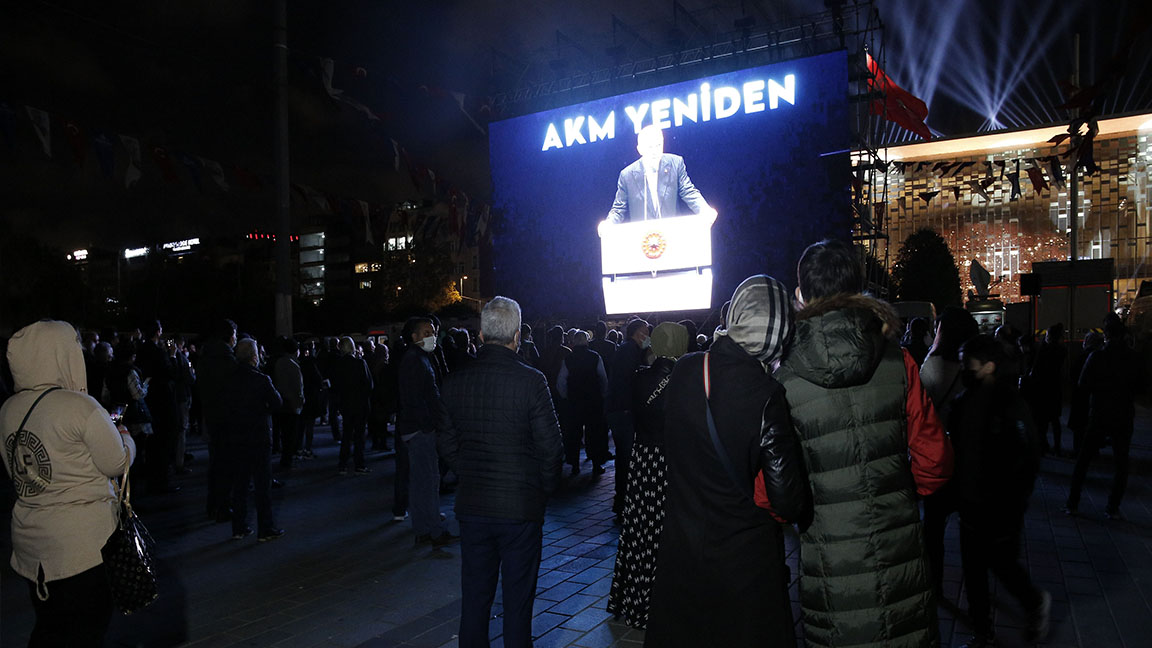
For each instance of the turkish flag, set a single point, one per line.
(897, 105)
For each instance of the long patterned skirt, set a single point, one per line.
(643, 519)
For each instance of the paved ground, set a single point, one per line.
(345, 575)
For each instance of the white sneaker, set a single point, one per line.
(399, 518)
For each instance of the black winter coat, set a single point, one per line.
(648, 401)
(503, 440)
(249, 400)
(213, 371)
(352, 384)
(720, 577)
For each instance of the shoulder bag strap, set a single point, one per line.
(720, 451)
(20, 428)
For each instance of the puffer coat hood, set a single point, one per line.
(47, 354)
(841, 340)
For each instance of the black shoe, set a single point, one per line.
(444, 539)
(1068, 510)
(598, 470)
(241, 534)
(363, 471)
(270, 534)
(575, 471)
(422, 538)
(276, 483)
(1114, 514)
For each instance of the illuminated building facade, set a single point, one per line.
(965, 190)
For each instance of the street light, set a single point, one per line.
(462, 285)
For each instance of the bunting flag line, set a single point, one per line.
(395, 156)
(1056, 172)
(1014, 179)
(79, 144)
(956, 191)
(927, 196)
(105, 155)
(978, 190)
(216, 172)
(132, 172)
(160, 156)
(42, 122)
(1036, 176)
(459, 97)
(326, 68)
(193, 167)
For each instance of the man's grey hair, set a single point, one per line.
(580, 338)
(347, 346)
(246, 350)
(500, 321)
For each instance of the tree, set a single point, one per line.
(926, 271)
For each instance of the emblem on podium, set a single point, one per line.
(654, 245)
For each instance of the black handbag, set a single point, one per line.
(128, 557)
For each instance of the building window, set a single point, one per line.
(364, 285)
(361, 268)
(398, 243)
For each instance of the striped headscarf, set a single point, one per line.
(760, 319)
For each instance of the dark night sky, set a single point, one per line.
(196, 77)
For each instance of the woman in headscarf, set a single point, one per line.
(720, 573)
(60, 450)
(643, 516)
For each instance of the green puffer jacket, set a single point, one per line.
(864, 577)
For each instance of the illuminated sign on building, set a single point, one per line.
(132, 253)
(78, 255)
(181, 246)
(707, 104)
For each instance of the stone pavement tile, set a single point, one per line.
(573, 604)
(590, 575)
(549, 552)
(1129, 610)
(568, 541)
(1094, 621)
(545, 621)
(578, 565)
(435, 636)
(584, 548)
(1079, 586)
(1078, 570)
(551, 578)
(560, 591)
(605, 551)
(556, 638)
(266, 638)
(587, 619)
(556, 561)
(413, 628)
(600, 588)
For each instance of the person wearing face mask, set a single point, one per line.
(997, 457)
(420, 418)
(629, 357)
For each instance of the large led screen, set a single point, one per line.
(666, 199)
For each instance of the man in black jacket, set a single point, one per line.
(250, 400)
(504, 442)
(1112, 376)
(628, 358)
(584, 382)
(215, 368)
(352, 385)
(997, 457)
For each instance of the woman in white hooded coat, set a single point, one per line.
(61, 461)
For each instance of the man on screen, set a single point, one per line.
(651, 186)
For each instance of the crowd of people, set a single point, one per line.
(804, 407)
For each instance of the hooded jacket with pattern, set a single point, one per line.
(61, 465)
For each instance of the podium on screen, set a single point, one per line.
(657, 265)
